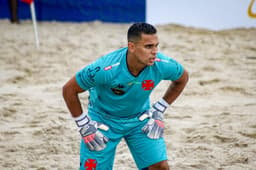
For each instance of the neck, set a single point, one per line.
(134, 66)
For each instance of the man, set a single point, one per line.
(120, 84)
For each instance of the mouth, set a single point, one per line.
(152, 60)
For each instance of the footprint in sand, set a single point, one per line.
(209, 82)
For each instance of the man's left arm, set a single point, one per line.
(155, 126)
(175, 88)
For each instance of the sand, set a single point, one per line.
(211, 126)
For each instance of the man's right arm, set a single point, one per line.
(88, 128)
(70, 93)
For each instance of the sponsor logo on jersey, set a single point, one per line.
(161, 60)
(111, 66)
(118, 90)
(148, 84)
(92, 72)
(90, 164)
(133, 82)
(158, 59)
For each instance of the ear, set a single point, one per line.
(131, 46)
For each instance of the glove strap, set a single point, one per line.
(82, 120)
(161, 105)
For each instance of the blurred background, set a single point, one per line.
(210, 14)
(212, 126)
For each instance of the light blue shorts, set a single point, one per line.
(145, 151)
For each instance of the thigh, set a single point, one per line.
(103, 159)
(145, 151)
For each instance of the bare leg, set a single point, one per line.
(163, 165)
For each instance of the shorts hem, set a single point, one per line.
(146, 166)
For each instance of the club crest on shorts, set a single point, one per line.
(90, 164)
(148, 84)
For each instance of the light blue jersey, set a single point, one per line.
(117, 99)
(115, 91)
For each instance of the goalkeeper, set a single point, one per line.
(119, 85)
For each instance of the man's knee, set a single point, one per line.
(163, 165)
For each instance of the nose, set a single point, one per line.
(154, 50)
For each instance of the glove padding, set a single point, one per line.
(155, 126)
(93, 138)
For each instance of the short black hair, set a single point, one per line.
(135, 31)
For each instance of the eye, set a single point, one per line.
(149, 46)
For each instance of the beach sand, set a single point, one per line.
(211, 126)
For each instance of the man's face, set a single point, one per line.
(146, 49)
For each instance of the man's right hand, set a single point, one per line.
(89, 130)
(92, 137)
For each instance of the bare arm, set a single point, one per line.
(70, 93)
(155, 127)
(175, 88)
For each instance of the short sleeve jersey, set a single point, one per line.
(115, 91)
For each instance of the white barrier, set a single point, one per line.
(210, 14)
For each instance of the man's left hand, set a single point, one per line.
(155, 126)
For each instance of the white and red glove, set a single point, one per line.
(154, 128)
(93, 138)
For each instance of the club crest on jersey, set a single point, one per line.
(148, 84)
(90, 164)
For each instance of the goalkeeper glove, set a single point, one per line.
(93, 138)
(154, 128)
